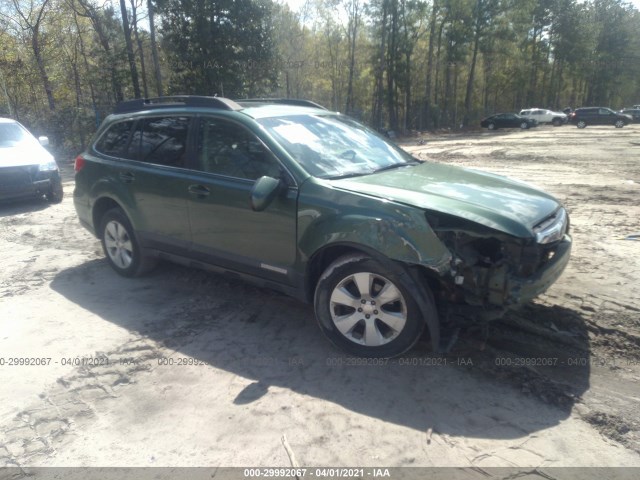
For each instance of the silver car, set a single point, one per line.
(27, 169)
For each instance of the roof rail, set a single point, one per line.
(299, 102)
(176, 101)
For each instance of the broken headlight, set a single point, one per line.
(552, 228)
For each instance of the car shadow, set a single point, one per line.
(12, 207)
(273, 341)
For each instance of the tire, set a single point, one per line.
(121, 246)
(56, 192)
(619, 123)
(358, 323)
(556, 122)
(524, 125)
(581, 124)
(491, 126)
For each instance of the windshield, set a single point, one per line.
(333, 146)
(12, 134)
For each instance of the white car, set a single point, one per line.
(545, 116)
(27, 169)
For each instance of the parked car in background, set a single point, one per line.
(314, 204)
(542, 115)
(507, 120)
(27, 169)
(634, 112)
(582, 117)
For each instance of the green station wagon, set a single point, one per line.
(292, 197)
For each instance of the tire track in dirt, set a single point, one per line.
(39, 429)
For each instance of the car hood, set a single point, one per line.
(497, 202)
(24, 154)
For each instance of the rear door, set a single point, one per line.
(151, 170)
(225, 230)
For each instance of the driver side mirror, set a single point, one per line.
(263, 192)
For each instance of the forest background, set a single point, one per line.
(401, 65)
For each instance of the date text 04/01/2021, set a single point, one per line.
(316, 472)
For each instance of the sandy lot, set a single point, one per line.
(186, 368)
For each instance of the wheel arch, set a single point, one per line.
(101, 206)
(416, 279)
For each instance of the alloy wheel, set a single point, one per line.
(118, 244)
(368, 309)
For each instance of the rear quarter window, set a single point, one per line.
(115, 139)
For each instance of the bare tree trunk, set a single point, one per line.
(154, 47)
(143, 69)
(35, 44)
(378, 96)
(392, 104)
(354, 20)
(474, 57)
(432, 35)
(130, 56)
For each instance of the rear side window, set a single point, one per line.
(160, 140)
(115, 140)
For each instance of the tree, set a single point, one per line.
(29, 18)
(222, 47)
(130, 55)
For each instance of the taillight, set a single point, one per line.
(79, 163)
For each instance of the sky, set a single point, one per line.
(295, 4)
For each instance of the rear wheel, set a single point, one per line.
(366, 310)
(619, 123)
(581, 124)
(524, 125)
(556, 122)
(491, 126)
(121, 246)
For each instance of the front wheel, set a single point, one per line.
(619, 123)
(366, 310)
(121, 246)
(56, 192)
(581, 124)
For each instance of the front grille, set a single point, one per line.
(16, 178)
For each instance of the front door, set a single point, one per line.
(224, 229)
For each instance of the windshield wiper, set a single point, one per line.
(348, 175)
(395, 165)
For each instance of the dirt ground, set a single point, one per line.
(186, 368)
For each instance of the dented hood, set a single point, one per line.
(497, 202)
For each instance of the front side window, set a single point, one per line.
(332, 146)
(115, 140)
(605, 111)
(160, 140)
(224, 148)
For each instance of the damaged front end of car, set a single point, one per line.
(492, 271)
